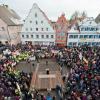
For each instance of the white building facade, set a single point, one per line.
(86, 32)
(37, 28)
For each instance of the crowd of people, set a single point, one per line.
(82, 83)
(14, 85)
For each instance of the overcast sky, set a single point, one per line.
(54, 8)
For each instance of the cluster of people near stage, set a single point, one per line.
(83, 82)
(13, 84)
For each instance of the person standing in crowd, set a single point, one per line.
(46, 63)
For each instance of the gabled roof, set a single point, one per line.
(62, 24)
(35, 6)
(9, 16)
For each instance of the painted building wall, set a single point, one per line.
(61, 30)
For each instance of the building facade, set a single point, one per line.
(61, 28)
(37, 28)
(10, 26)
(85, 33)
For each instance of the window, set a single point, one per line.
(89, 43)
(70, 43)
(0, 42)
(35, 14)
(95, 36)
(79, 44)
(41, 22)
(36, 29)
(74, 43)
(30, 29)
(53, 27)
(62, 38)
(97, 43)
(86, 29)
(92, 29)
(96, 29)
(23, 20)
(85, 43)
(42, 36)
(81, 36)
(36, 22)
(6, 42)
(3, 28)
(22, 36)
(93, 43)
(90, 22)
(52, 36)
(82, 29)
(47, 29)
(75, 36)
(30, 21)
(70, 36)
(42, 29)
(85, 36)
(37, 36)
(27, 36)
(26, 29)
(31, 36)
(47, 36)
(90, 36)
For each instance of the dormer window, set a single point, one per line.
(42, 29)
(26, 29)
(36, 29)
(30, 29)
(36, 22)
(46, 29)
(30, 21)
(41, 22)
(35, 14)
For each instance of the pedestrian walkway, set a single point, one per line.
(41, 80)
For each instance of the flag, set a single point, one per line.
(85, 60)
(18, 87)
(80, 56)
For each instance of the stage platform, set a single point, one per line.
(42, 81)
